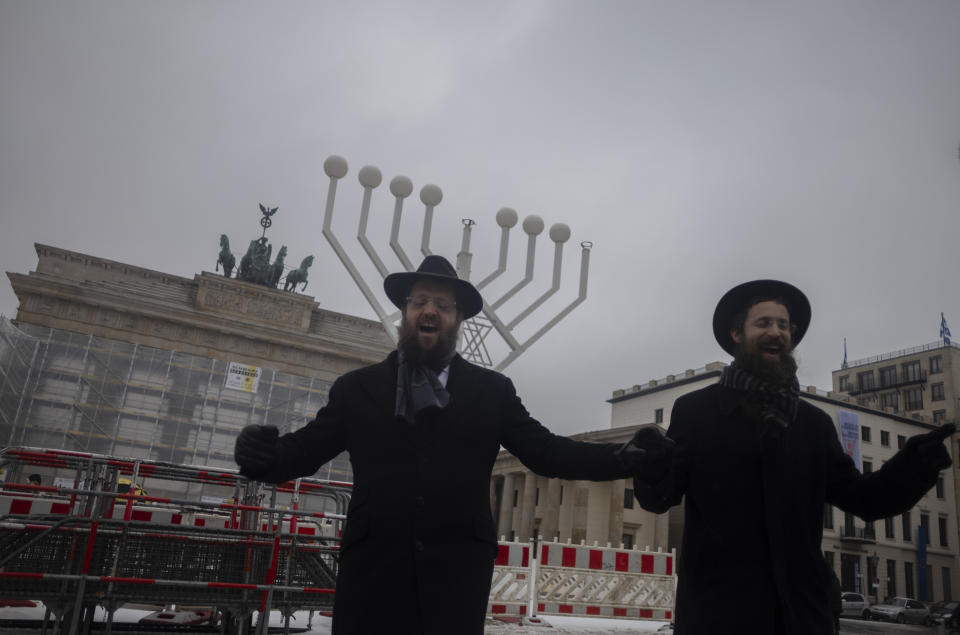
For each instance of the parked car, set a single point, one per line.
(902, 611)
(944, 612)
(854, 605)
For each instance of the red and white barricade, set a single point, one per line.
(573, 579)
(22, 505)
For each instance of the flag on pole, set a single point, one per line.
(844, 364)
(944, 329)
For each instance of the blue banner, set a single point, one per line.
(850, 435)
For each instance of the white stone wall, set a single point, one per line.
(642, 408)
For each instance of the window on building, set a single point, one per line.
(925, 525)
(627, 540)
(885, 438)
(901, 441)
(865, 380)
(888, 376)
(939, 416)
(913, 399)
(891, 578)
(865, 434)
(827, 516)
(561, 494)
(890, 400)
(867, 467)
(936, 391)
(942, 526)
(888, 527)
(537, 497)
(947, 591)
(907, 528)
(829, 557)
(851, 572)
(939, 487)
(843, 383)
(908, 578)
(936, 364)
(628, 498)
(658, 415)
(911, 371)
(516, 497)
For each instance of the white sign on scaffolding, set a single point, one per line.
(243, 377)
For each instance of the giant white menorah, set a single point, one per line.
(474, 331)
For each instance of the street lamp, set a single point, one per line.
(874, 573)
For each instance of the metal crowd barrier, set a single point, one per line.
(577, 579)
(85, 543)
(80, 546)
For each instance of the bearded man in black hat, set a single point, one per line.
(423, 429)
(756, 464)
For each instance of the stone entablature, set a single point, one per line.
(234, 299)
(210, 315)
(72, 265)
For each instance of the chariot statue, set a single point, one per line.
(255, 265)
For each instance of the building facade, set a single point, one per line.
(922, 381)
(525, 504)
(111, 358)
(914, 554)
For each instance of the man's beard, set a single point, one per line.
(778, 373)
(432, 358)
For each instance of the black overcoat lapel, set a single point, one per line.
(379, 385)
(464, 385)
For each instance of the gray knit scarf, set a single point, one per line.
(777, 405)
(419, 387)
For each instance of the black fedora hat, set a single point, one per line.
(437, 269)
(737, 299)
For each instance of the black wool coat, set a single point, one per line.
(419, 543)
(753, 514)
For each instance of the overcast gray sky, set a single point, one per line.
(696, 144)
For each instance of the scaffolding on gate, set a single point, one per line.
(97, 538)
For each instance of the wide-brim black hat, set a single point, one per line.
(437, 269)
(738, 298)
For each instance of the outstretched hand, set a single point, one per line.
(255, 450)
(648, 455)
(929, 449)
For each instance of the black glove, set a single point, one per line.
(928, 448)
(648, 455)
(256, 450)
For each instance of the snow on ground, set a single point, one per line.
(320, 625)
(121, 615)
(575, 625)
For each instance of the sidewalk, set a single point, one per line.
(320, 625)
(573, 625)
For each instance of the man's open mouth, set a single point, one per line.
(771, 349)
(427, 328)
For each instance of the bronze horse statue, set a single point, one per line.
(297, 276)
(227, 259)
